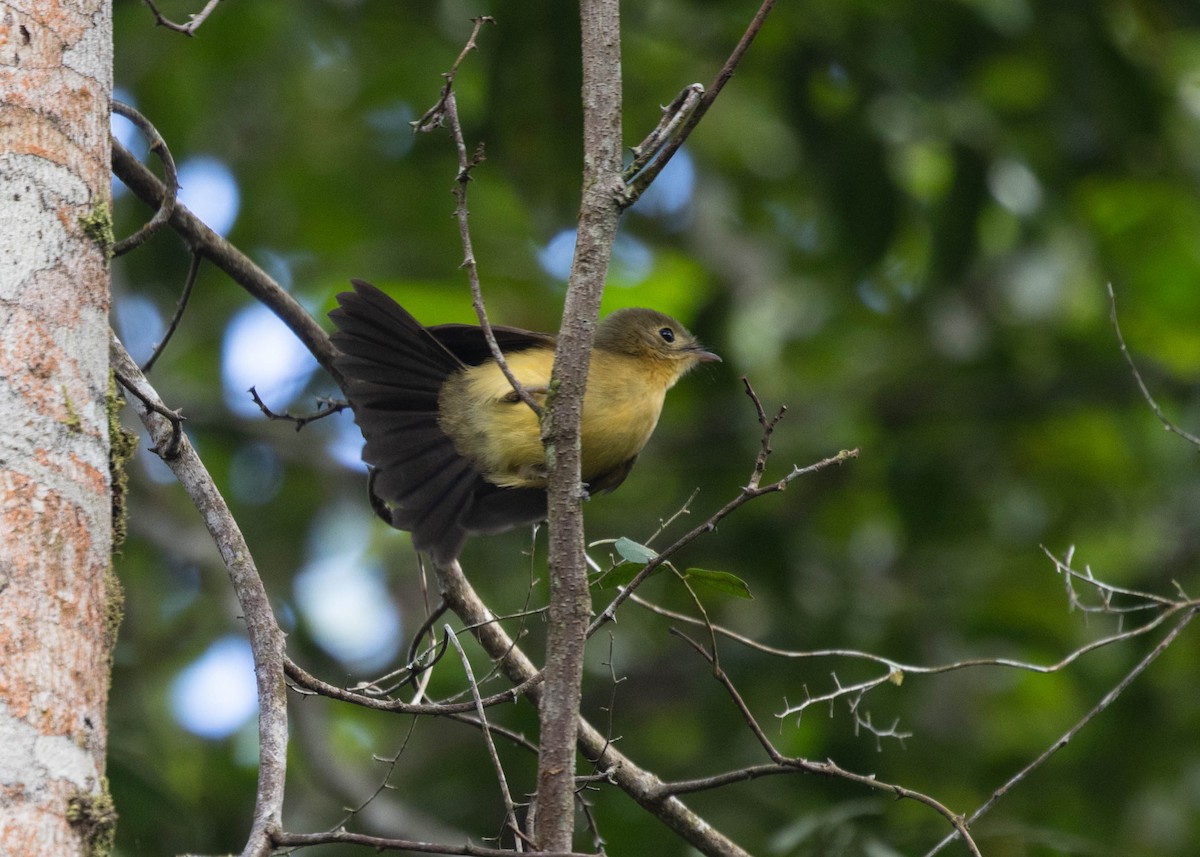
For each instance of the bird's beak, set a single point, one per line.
(703, 356)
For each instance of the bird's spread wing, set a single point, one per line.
(393, 370)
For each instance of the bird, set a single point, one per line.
(452, 451)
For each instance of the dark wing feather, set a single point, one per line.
(498, 509)
(468, 344)
(393, 369)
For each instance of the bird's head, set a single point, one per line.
(654, 336)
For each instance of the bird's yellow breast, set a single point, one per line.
(502, 438)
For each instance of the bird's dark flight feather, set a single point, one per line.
(393, 369)
(467, 342)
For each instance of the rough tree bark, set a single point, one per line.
(58, 607)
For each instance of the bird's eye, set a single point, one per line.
(667, 334)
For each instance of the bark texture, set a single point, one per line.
(58, 607)
(570, 599)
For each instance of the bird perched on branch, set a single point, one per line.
(453, 450)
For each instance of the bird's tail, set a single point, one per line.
(392, 371)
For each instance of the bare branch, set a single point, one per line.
(513, 737)
(325, 408)
(266, 639)
(203, 241)
(166, 204)
(180, 306)
(446, 112)
(768, 430)
(510, 810)
(306, 681)
(435, 116)
(1066, 737)
(896, 671)
(1149, 601)
(380, 843)
(828, 767)
(194, 21)
(166, 447)
(638, 184)
(637, 782)
(752, 490)
(664, 523)
(673, 115)
(384, 784)
(1137, 376)
(570, 597)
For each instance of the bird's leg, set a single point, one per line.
(512, 398)
(533, 472)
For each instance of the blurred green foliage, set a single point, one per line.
(903, 220)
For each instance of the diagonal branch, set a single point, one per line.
(188, 282)
(638, 184)
(1107, 700)
(446, 112)
(194, 20)
(202, 241)
(752, 490)
(510, 810)
(826, 768)
(1137, 376)
(382, 843)
(639, 783)
(266, 639)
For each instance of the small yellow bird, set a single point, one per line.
(453, 451)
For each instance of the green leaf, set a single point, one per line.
(631, 551)
(621, 575)
(720, 581)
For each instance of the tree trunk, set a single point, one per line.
(58, 607)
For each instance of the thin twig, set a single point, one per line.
(768, 430)
(1067, 736)
(608, 724)
(828, 767)
(510, 810)
(636, 781)
(384, 784)
(435, 116)
(1106, 590)
(1137, 376)
(664, 523)
(570, 598)
(512, 736)
(200, 239)
(637, 186)
(188, 29)
(166, 205)
(896, 671)
(382, 843)
(188, 282)
(445, 112)
(673, 115)
(325, 408)
(166, 448)
(414, 648)
(304, 679)
(750, 491)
